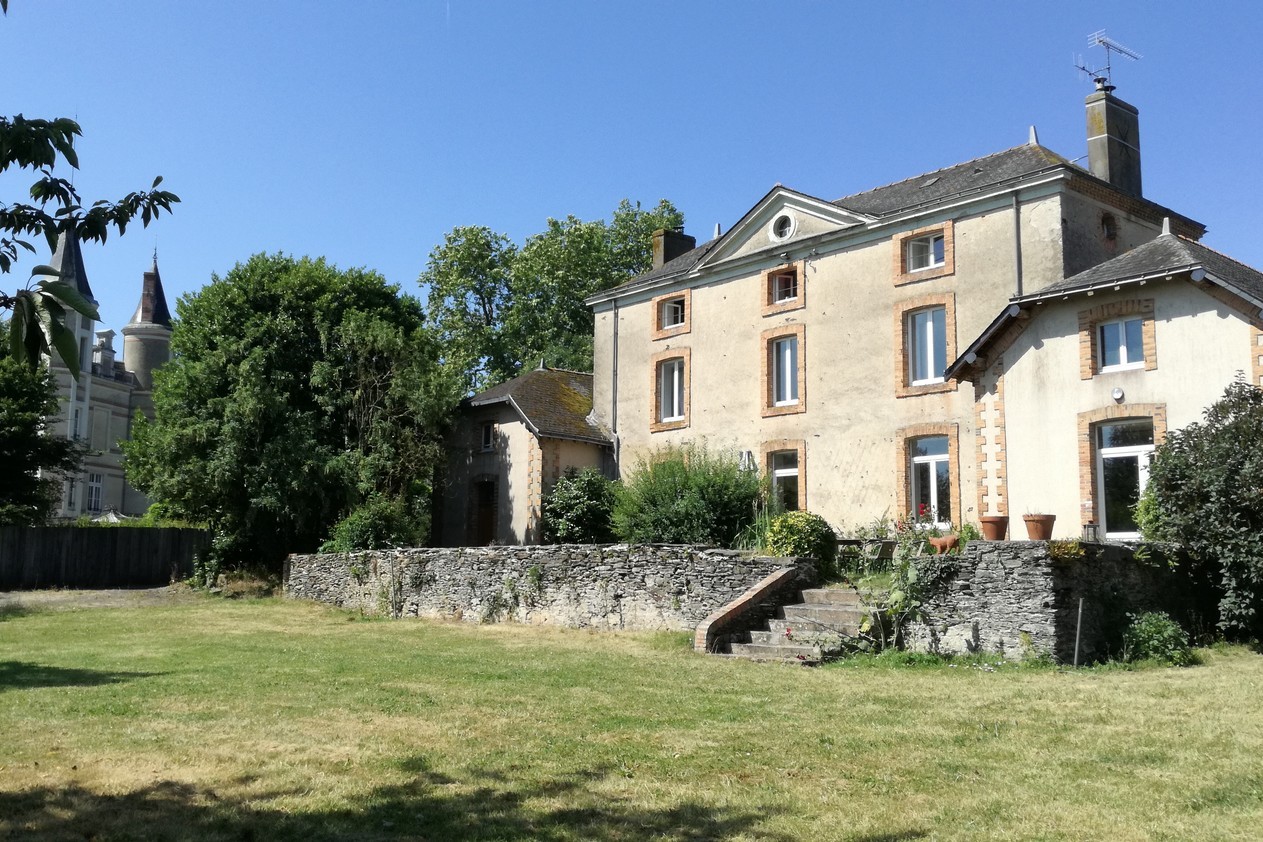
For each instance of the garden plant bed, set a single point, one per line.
(217, 719)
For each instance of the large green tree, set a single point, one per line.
(296, 393)
(34, 462)
(39, 309)
(499, 308)
(1205, 494)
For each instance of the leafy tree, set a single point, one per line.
(39, 310)
(296, 393)
(1205, 493)
(499, 308)
(579, 508)
(34, 462)
(686, 495)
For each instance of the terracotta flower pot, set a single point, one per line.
(994, 527)
(1039, 527)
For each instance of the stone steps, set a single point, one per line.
(822, 625)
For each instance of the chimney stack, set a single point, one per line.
(1113, 139)
(668, 244)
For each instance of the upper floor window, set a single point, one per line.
(1121, 344)
(926, 252)
(783, 227)
(784, 287)
(671, 390)
(488, 436)
(672, 314)
(785, 371)
(926, 332)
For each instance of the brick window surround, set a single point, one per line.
(903, 381)
(1157, 412)
(767, 344)
(903, 439)
(769, 304)
(657, 331)
(778, 446)
(900, 241)
(656, 425)
(1089, 335)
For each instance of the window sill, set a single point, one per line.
(668, 332)
(787, 409)
(1110, 369)
(664, 426)
(943, 387)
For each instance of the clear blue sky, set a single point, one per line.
(363, 131)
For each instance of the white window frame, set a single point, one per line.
(488, 436)
(1142, 453)
(921, 349)
(779, 474)
(785, 371)
(913, 253)
(671, 390)
(1125, 361)
(784, 287)
(671, 313)
(933, 460)
(95, 484)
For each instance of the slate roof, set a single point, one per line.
(68, 260)
(553, 402)
(1164, 255)
(950, 181)
(152, 309)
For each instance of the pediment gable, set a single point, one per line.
(782, 218)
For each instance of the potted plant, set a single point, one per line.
(1039, 527)
(994, 527)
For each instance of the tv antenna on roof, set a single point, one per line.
(1101, 75)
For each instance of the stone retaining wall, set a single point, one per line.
(616, 586)
(1022, 598)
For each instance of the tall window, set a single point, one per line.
(785, 478)
(95, 481)
(785, 371)
(925, 252)
(1122, 344)
(931, 479)
(1123, 451)
(671, 390)
(926, 332)
(488, 436)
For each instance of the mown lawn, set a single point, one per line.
(274, 720)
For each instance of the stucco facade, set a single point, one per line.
(814, 336)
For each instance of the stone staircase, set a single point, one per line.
(825, 623)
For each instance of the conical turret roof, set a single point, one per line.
(152, 309)
(68, 260)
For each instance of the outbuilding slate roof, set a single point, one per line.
(553, 402)
(1164, 255)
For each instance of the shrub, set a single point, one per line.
(686, 495)
(1203, 495)
(804, 534)
(579, 509)
(378, 523)
(1155, 636)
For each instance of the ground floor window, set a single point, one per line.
(931, 479)
(1123, 452)
(95, 481)
(785, 478)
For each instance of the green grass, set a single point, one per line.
(243, 719)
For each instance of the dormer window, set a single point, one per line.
(926, 252)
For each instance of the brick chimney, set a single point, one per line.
(668, 244)
(1113, 139)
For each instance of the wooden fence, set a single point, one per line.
(96, 557)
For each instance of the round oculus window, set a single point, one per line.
(782, 226)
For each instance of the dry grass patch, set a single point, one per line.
(274, 720)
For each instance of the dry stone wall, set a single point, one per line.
(1022, 598)
(616, 586)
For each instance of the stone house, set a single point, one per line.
(513, 442)
(99, 407)
(851, 348)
